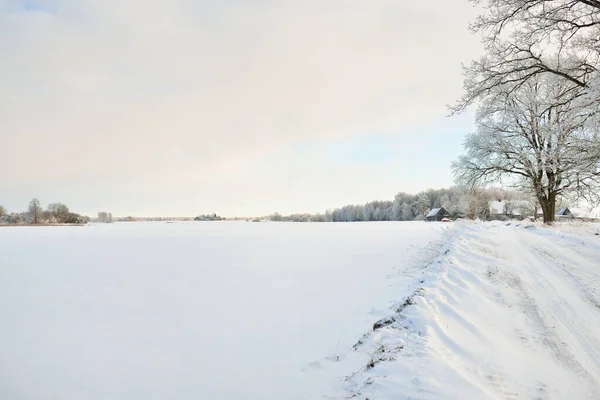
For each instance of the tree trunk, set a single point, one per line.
(548, 208)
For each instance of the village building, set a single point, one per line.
(437, 214)
(502, 209)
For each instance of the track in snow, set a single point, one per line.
(509, 312)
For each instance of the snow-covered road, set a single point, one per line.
(510, 311)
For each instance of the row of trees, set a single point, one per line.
(459, 202)
(209, 217)
(301, 217)
(538, 93)
(36, 214)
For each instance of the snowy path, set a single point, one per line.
(509, 312)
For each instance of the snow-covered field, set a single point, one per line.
(506, 312)
(226, 310)
(300, 311)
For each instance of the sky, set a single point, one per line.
(240, 108)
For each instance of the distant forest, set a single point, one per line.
(54, 213)
(457, 201)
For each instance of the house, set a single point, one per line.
(504, 209)
(437, 214)
(564, 213)
(497, 208)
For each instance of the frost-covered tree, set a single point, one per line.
(407, 212)
(105, 217)
(479, 207)
(527, 38)
(15, 218)
(35, 211)
(421, 206)
(535, 137)
(329, 216)
(58, 212)
(2, 211)
(276, 217)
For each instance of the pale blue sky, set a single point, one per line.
(237, 107)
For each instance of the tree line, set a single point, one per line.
(55, 213)
(459, 202)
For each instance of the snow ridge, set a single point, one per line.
(504, 312)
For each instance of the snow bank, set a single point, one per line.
(508, 311)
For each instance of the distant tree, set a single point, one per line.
(318, 218)
(59, 211)
(276, 217)
(421, 206)
(49, 217)
(15, 218)
(58, 208)
(206, 217)
(328, 216)
(35, 211)
(407, 213)
(72, 218)
(479, 206)
(444, 201)
(105, 217)
(2, 211)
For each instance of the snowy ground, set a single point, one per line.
(507, 312)
(197, 310)
(300, 311)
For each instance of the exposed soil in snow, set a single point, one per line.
(508, 311)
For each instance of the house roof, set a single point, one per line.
(562, 211)
(433, 212)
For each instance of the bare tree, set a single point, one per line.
(35, 211)
(527, 38)
(538, 19)
(536, 138)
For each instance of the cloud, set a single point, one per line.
(190, 93)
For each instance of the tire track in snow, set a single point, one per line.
(504, 313)
(564, 295)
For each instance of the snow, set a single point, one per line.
(508, 311)
(433, 212)
(586, 212)
(497, 207)
(202, 310)
(221, 310)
